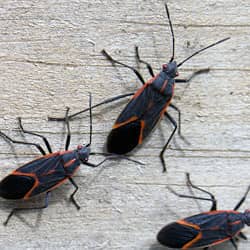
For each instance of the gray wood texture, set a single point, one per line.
(50, 58)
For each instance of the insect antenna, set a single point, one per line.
(199, 51)
(172, 32)
(90, 120)
(68, 129)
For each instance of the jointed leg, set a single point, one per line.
(234, 243)
(201, 71)
(149, 67)
(214, 202)
(243, 236)
(32, 133)
(113, 61)
(23, 142)
(72, 195)
(28, 208)
(115, 156)
(212, 199)
(179, 122)
(112, 99)
(98, 164)
(179, 117)
(242, 199)
(168, 141)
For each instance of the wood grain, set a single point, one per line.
(50, 58)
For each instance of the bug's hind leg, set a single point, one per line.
(214, 202)
(28, 208)
(168, 141)
(113, 61)
(179, 123)
(179, 117)
(23, 142)
(212, 199)
(149, 67)
(72, 195)
(32, 133)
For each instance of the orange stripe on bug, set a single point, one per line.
(131, 119)
(67, 164)
(141, 132)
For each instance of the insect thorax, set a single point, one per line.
(164, 84)
(83, 153)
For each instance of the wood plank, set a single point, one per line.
(50, 59)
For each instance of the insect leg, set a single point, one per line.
(242, 235)
(168, 141)
(214, 202)
(201, 71)
(188, 196)
(28, 208)
(23, 142)
(212, 199)
(32, 133)
(242, 199)
(149, 67)
(72, 195)
(113, 61)
(96, 165)
(112, 99)
(179, 117)
(234, 243)
(115, 156)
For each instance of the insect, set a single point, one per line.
(46, 172)
(148, 104)
(205, 229)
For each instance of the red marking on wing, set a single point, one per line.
(117, 125)
(193, 241)
(63, 180)
(141, 132)
(164, 86)
(67, 164)
(140, 90)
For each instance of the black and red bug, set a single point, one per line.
(148, 104)
(205, 229)
(46, 172)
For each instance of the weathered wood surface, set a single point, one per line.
(50, 58)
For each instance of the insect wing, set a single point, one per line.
(49, 171)
(215, 227)
(177, 235)
(147, 107)
(201, 230)
(136, 121)
(218, 226)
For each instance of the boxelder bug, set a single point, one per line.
(205, 229)
(47, 172)
(148, 104)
